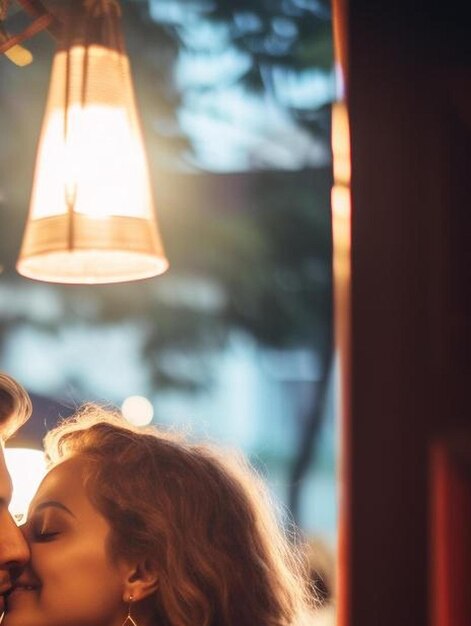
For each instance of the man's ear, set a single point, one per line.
(141, 580)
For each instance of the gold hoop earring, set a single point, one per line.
(129, 621)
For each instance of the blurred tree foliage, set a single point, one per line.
(284, 39)
(293, 36)
(250, 251)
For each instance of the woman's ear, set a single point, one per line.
(141, 580)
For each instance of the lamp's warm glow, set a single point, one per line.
(137, 410)
(27, 468)
(91, 216)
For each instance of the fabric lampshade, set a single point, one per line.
(92, 217)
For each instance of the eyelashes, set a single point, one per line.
(44, 526)
(43, 536)
(40, 531)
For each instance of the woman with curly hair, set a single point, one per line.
(135, 527)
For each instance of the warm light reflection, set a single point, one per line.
(137, 410)
(27, 468)
(91, 216)
(341, 143)
(341, 231)
(340, 195)
(341, 202)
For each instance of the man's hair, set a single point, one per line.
(15, 406)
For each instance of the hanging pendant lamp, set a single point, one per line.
(91, 216)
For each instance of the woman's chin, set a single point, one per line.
(19, 618)
(20, 609)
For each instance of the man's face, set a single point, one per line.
(14, 551)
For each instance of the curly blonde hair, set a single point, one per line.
(15, 406)
(201, 515)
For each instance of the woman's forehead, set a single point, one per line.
(65, 480)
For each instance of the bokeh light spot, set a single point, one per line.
(137, 410)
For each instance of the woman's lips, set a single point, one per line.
(22, 588)
(18, 595)
(7, 590)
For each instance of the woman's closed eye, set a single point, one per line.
(44, 527)
(47, 522)
(42, 536)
